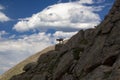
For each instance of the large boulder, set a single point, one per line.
(63, 65)
(29, 66)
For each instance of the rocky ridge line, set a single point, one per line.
(92, 54)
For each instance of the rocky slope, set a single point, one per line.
(19, 67)
(92, 54)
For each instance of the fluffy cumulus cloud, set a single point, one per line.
(13, 51)
(63, 16)
(3, 16)
(61, 34)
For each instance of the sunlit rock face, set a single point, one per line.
(92, 54)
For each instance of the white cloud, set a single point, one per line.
(86, 1)
(3, 17)
(62, 16)
(61, 34)
(2, 33)
(25, 43)
(13, 51)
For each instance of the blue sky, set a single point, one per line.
(28, 26)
